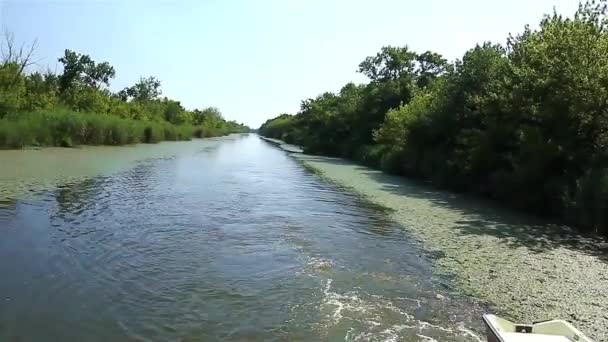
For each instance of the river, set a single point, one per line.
(215, 239)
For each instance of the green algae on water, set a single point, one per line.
(526, 268)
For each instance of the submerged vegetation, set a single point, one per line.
(77, 107)
(525, 123)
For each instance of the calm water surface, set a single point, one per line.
(221, 239)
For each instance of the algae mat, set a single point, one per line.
(526, 268)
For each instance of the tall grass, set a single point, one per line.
(68, 128)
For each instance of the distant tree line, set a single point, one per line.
(77, 106)
(525, 123)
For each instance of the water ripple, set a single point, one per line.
(231, 239)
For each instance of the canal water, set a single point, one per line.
(215, 239)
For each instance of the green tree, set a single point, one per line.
(430, 66)
(81, 70)
(12, 89)
(209, 116)
(391, 63)
(526, 124)
(146, 89)
(41, 91)
(561, 89)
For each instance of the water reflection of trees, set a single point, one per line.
(8, 209)
(99, 193)
(77, 196)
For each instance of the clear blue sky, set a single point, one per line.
(256, 59)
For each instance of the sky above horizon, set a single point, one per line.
(256, 59)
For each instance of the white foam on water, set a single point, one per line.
(392, 334)
(468, 332)
(417, 301)
(316, 265)
(376, 318)
(362, 337)
(347, 336)
(426, 338)
(426, 325)
(319, 264)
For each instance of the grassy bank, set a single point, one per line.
(69, 128)
(77, 107)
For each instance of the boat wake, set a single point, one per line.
(364, 317)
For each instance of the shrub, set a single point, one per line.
(391, 160)
(68, 128)
(589, 206)
(370, 155)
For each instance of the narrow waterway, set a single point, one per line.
(220, 239)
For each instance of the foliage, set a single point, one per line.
(526, 124)
(146, 89)
(66, 128)
(77, 107)
(80, 70)
(12, 88)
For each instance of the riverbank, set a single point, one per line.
(69, 128)
(283, 145)
(527, 269)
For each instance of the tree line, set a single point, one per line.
(524, 123)
(76, 106)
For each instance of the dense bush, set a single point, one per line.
(66, 128)
(525, 123)
(76, 107)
